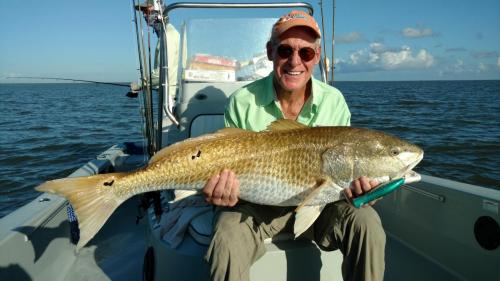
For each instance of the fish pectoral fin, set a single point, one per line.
(320, 183)
(305, 217)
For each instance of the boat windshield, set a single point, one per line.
(226, 49)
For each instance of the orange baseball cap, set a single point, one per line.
(293, 19)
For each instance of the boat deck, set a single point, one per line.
(117, 253)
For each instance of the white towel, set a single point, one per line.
(176, 219)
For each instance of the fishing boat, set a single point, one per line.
(437, 229)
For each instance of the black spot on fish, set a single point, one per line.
(197, 155)
(109, 183)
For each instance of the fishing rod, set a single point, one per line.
(324, 39)
(145, 71)
(69, 79)
(333, 39)
(149, 104)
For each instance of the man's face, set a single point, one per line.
(293, 73)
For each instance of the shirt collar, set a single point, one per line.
(317, 95)
(269, 94)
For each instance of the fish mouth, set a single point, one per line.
(411, 177)
(407, 173)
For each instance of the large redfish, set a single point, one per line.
(289, 164)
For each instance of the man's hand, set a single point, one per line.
(222, 189)
(359, 187)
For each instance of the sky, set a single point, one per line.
(385, 40)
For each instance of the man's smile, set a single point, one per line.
(293, 73)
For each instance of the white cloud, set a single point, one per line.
(482, 67)
(351, 37)
(356, 56)
(405, 59)
(380, 57)
(9, 74)
(377, 47)
(457, 67)
(417, 32)
(460, 67)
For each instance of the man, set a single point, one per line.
(290, 92)
(150, 10)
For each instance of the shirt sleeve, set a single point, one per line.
(230, 116)
(333, 110)
(345, 115)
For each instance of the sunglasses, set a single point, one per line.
(286, 51)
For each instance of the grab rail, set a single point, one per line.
(198, 5)
(431, 195)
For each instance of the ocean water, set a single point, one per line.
(49, 130)
(457, 123)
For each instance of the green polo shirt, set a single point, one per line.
(255, 106)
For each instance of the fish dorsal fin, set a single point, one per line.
(195, 141)
(285, 124)
(230, 131)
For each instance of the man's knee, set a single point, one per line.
(234, 230)
(224, 230)
(340, 221)
(227, 229)
(234, 247)
(226, 221)
(366, 222)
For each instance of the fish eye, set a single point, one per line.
(395, 151)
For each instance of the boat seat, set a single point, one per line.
(200, 228)
(205, 124)
(191, 215)
(199, 109)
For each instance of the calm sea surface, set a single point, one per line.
(49, 130)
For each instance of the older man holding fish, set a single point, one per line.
(290, 176)
(290, 92)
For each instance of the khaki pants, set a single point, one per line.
(239, 233)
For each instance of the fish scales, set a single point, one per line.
(267, 166)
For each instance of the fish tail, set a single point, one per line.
(92, 199)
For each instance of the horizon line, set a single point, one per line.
(128, 82)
